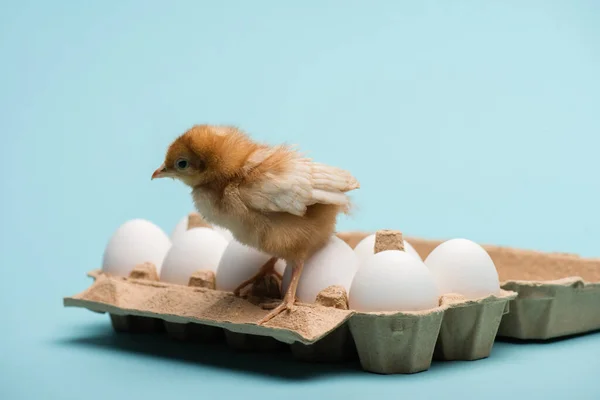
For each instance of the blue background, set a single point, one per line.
(473, 119)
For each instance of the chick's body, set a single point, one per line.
(270, 198)
(283, 236)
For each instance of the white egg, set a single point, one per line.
(463, 267)
(180, 228)
(280, 267)
(366, 248)
(196, 249)
(135, 242)
(239, 263)
(393, 280)
(334, 264)
(224, 232)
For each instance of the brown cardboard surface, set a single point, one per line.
(558, 293)
(388, 240)
(182, 304)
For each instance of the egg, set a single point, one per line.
(334, 264)
(393, 280)
(239, 263)
(180, 228)
(196, 249)
(224, 232)
(463, 267)
(135, 242)
(366, 248)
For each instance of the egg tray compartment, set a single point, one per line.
(558, 293)
(385, 343)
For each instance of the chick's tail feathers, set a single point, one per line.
(328, 177)
(330, 186)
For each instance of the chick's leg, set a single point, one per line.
(267, 268)
(290, 295)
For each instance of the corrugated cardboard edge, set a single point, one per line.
(543, 309)
(469, 327)
(396, 343)
(206, 307)
(551, 309)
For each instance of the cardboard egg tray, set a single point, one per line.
(558, 293)
(327, 331)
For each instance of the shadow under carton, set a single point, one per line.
(338, 346)
(135, 324)
(192, 332)
(252, 343)
(558, 294)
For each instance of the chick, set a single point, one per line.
(271, 198)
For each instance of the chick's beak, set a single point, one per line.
(160, 172)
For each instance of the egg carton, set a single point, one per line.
(327, 331)
(558, 293)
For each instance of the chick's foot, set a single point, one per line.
(284, 306)
(267, 268)
(270, 305)
(290, 296)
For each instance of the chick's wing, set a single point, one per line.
(293, 183)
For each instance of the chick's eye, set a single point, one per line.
(181, 164)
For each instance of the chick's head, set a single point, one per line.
(206, 154)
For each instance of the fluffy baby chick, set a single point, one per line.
(270, 198)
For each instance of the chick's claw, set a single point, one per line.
(270, 305)
(285, 306)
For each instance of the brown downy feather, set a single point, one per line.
(270, 197)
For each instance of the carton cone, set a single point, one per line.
(337, 346)
(469, 327)
(399, 343)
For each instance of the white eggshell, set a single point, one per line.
(366, 248)
(135, 242)
(393, 280)
(334, 264)
(224, 232)
(463, 267)
(280, 267)
(197, 248)
(239, 263)
(180, 228)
